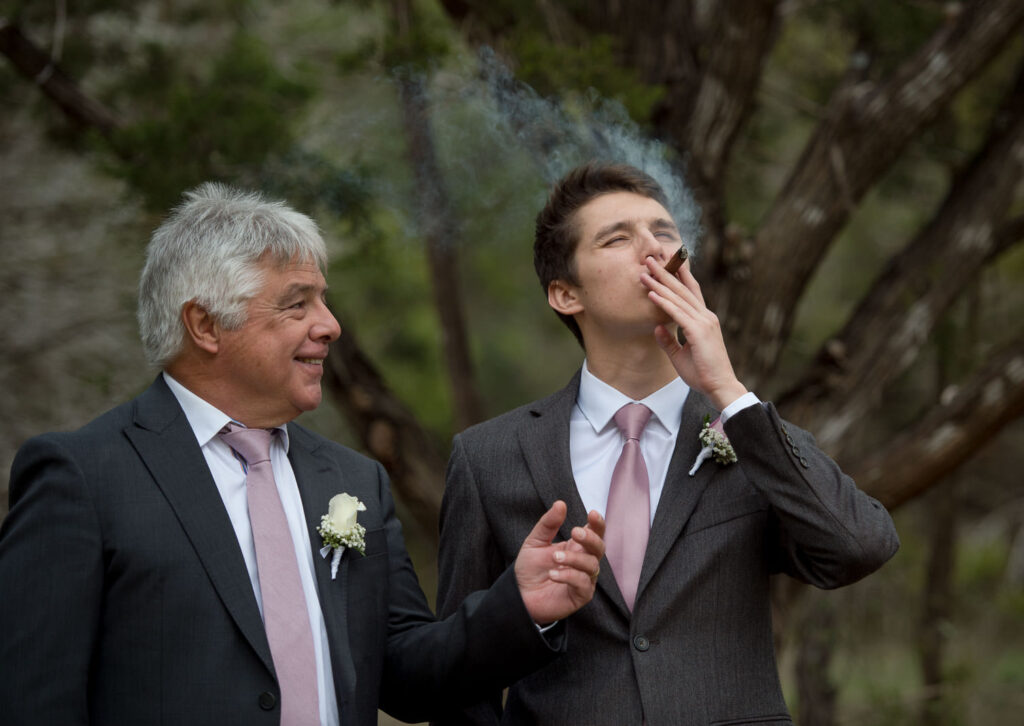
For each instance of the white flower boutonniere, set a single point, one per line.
(716, 444)
(340, 530)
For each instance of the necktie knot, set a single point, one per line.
(253, 445)
(631, 419)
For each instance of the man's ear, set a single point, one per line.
(564, 297)
(200, 327)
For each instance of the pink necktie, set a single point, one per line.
(628, 515)
(285, 617)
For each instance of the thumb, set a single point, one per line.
(547, 526)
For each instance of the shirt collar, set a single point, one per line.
(206, 419)
(598, 402)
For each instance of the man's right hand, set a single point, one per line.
(558, 578)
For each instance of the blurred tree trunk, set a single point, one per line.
(956, 347)
(438, 222)
(936, 611)
(388, 430)
(816, 695)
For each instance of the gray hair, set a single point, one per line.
(209, 250)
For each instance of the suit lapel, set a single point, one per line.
(681, 492)
(544, 441)
(319, 479)
(166, 444)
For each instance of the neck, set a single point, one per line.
(203, 381)
(635, 370)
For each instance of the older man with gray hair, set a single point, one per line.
(170, 562)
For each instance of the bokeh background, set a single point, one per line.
(848, 173)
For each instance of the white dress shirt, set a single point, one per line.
(595, 442)
(206, 422)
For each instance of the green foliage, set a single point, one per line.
(981, 566)
(421, 44)
(1009, 668)
(320, 187)
(215, 126)
(553, 69)
(887, 33)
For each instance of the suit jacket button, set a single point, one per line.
(267, 701)
(641, 643)
(803, 463)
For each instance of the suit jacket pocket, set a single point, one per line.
(777, 720)
(376, 546)
(716, 510)
(368, 574)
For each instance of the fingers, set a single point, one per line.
(547, 526)
(578, 581)
(595, 523)
(579, 561)
(677, 301)
(683, 285)
(586, 548)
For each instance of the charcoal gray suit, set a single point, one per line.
(697, 648)
(124, 596)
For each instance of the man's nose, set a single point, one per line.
(649, 246)
(326, 326)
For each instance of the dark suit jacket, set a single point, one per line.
(697, 648)
(124, 598)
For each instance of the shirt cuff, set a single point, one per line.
(747, 400)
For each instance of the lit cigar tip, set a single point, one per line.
(676, 261)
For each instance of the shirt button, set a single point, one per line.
(267, 701)
(641, 643)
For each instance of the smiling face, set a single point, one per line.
(268, 371)
(617, 232)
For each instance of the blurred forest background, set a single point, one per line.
(849, 174)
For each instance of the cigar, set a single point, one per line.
(676, 261)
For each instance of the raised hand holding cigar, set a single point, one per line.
(702, 360)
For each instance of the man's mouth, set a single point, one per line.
(311, 361)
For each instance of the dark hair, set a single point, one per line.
(558, 233)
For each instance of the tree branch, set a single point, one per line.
(917, 286)
(865, 130)
(951, 433)
(35, 65)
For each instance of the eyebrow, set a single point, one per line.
(658, 223)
